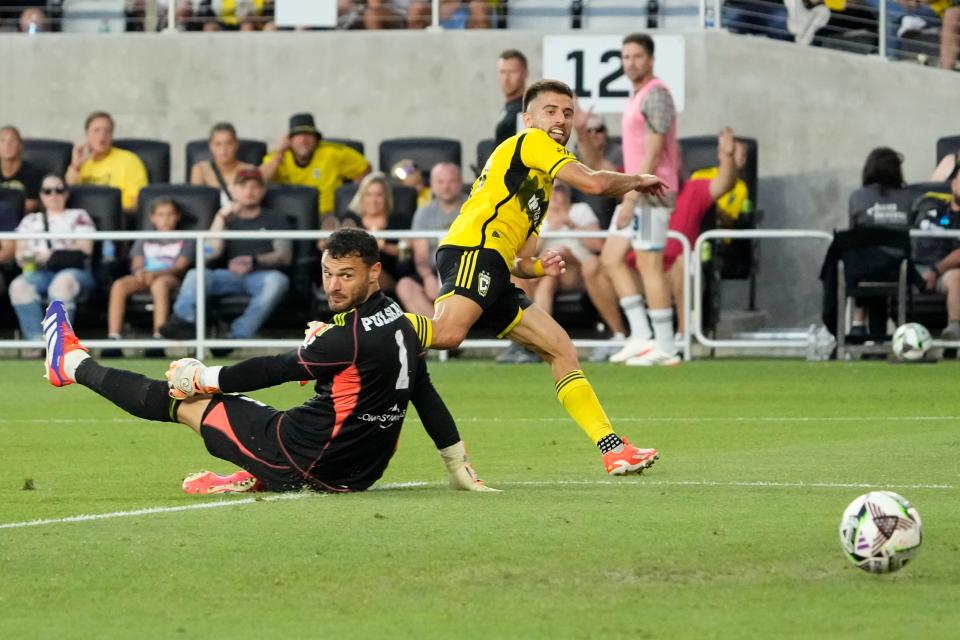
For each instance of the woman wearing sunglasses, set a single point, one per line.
(54, 269)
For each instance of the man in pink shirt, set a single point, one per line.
(649, 129)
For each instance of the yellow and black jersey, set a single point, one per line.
(508, 201)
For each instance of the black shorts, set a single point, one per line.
(243, 431)
(482, 276)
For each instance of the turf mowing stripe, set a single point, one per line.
(412, 485)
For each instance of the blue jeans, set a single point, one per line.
(763, 18)
(265, 288)
(28, 290)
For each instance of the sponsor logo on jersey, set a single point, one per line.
(392, 416)
(483, 284)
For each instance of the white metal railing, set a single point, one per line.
(200, 343)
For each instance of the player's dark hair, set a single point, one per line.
(883, 167)
(641, 39)
(223, 127)
(348, 242)
(96, 115)
(514, 54)
(545, 86)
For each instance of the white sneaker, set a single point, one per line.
(633, 347)
(654, 358)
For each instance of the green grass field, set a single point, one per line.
(733, 534)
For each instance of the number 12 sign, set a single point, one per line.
(591, 65)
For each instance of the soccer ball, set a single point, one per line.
(880, 532)
(911, 341)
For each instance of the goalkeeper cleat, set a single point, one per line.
(61, 342)
(629, 459)
(208, 482)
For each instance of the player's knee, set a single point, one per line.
(22, 292)
(275, 284)
(446, 336)
(64, 287)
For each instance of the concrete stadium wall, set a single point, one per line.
(816, 113)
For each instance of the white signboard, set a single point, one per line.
(591, 65)
(306, 13)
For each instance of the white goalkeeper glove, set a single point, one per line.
(188, 377)
(462, 475)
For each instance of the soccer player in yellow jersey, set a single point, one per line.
(496, 235)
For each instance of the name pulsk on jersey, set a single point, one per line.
(380, 318)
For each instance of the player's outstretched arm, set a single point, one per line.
(609, 183)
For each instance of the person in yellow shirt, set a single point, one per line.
(303, 157)
(97, 161)
(496, 235)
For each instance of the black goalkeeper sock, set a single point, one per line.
(136, 394)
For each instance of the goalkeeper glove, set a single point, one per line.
(462, 475)
(186, 378)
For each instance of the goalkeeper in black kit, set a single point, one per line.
(367, 365)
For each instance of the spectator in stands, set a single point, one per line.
(407, 172)
(938, 259)
(252, 266)
(582, 256)
(649, 127)
(417, 290)
(594, 147)
(903, 17)
(8, 248)
(512, 75)
(717, 187)
(454, 14)
(33, 20)
(97, 161)
(948, 168)
(59, 269)
(371, 14)
(302, 157)
(767, 18)
(805, 18)
(881, 201)
(221, 170)
(371, 209)
(17, 173)
(949, 12)
(156, 266)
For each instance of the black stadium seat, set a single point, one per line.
(51, 156)
(103, 205)
(404, 203)
(198, 203)
(14, 199)
(251, 151)
(426, 152)
(484, 149)
(947, 145)
(155, 155)
(356, 145)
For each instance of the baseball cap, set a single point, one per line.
(302, 123)
(248, 174)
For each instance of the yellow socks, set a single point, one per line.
(578, 399)
(424, 328)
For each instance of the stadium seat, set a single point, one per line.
(947, 145)
(51, 156)
(103, 205)
(426, 152)
(13, 199)
(155, 155)
(299, 204)
(251, 151)
(356, 145)
(735, 260)
(871, 265)
(927, 307)
(404, 203)
(484, 149)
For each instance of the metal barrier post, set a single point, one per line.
(200, 265)
(882, 29)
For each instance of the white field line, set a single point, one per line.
(236, 502)
(501, 419)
